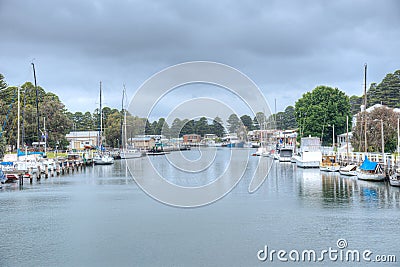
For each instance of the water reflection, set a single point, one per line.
(332, 190)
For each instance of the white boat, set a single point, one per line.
(261, 151)
(310, 154)
(103, 159)
(285, 154)
(130, 153)
(370, 171)
(329, 164)
(349, 170)
(394, 179)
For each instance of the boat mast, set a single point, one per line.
(37, 104)
(18, 121)
(398, 137)
(101, 122)
(125, 136)
(122, 122)
(347, 139)
(365, 108)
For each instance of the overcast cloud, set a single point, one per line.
(285, 47)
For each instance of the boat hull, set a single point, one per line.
(394, 180)
(370, 176)
(285, 159)
(348, 173)
(329, 168)
(103, 160)
(307, 164)
(129, 155)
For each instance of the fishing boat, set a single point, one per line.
(285, 154)
(394, 178)
(310, 154)
(329, 164)
(349, 170)
(370, 171)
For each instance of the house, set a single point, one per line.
(80, 140)
(191, 139)
(210, 136)
(142, 142)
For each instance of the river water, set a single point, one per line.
(100, 217)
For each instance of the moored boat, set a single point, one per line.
(394, 179)
(285, 154)
(329, 164)
(349, 170)
(130, 154)
(310, 155)
(103, 159)
(370, 171)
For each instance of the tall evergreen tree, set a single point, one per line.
(247, 122)
(386, 92)
(233, 123)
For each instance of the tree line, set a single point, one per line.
(316, 113)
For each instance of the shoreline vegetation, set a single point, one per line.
(313, 114)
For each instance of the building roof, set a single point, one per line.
(80, 134)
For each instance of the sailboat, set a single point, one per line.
(349, 169)
(101, 158)
(127, 152)
(369, 170)
(394, 178)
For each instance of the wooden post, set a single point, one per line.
(39, 173)
(46, 171)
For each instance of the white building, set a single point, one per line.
(80, 140)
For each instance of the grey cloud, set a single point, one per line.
(286, 47)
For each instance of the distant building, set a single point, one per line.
(342, 142)
(191, 138)
(143, 142)
(80, 140)
(210, 136)
(370, 109)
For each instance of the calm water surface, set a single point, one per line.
(99, 217)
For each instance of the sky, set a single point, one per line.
(285, 47)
